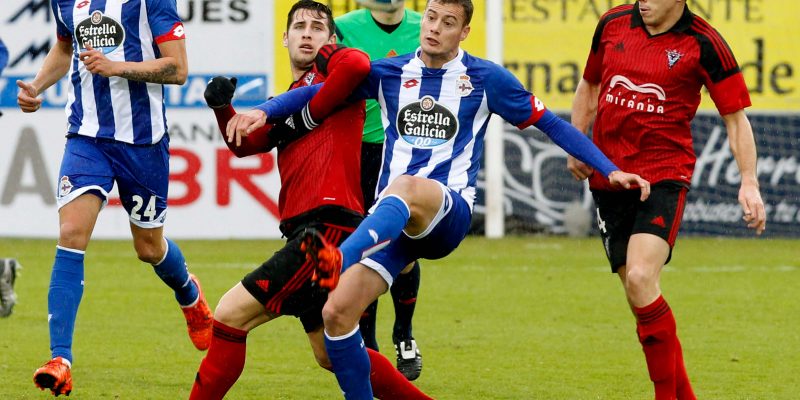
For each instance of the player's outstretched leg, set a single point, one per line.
(8, 275)
(379, 229)
(367, 326)
(404, 295)
(172, 270)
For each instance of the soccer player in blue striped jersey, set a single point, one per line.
(119, 54)
(436, 103)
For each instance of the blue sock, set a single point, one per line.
(172, 270)
(376, 231)
(63, 299)
(350, 362)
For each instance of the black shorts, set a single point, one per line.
(283, 283)
(371, 159)
(620, 214)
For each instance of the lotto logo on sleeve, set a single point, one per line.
(176, 33)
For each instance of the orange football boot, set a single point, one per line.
(199, 319)
(54, 375)
(326, 258)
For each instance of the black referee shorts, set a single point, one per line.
(620, 214)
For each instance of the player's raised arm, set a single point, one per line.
(219, 94)
(345, 69)
(507, 98)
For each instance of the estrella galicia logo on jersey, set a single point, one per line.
(426, 123)
(100, 32)
(673, 56)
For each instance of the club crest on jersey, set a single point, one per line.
(426, 123)
(463, 86)
(673, 56)
(64, 186)
(309, 80)
(100, 32)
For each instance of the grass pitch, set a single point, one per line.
(519, 318)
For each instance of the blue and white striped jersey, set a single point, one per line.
(124, 30)
(435, 119)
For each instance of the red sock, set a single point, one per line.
(388, 383)
(682, 385)
(223, 364)
(656, 328)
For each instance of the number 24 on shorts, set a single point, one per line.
(149, 210)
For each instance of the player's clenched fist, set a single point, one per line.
(219, 91)
(96, 62)
(27, 98)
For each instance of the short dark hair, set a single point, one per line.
(465, 4)
(320, 10)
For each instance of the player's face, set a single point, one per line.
(656, 14)
(441, 32)
(307, 33)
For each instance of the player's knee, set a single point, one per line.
(148, 253)
(333, 316)
(639, 278)
(403, 187)
(73, 235)
(228, 315)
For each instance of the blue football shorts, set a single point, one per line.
(92, 165)
(443, 235)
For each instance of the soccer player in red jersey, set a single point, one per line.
(320, 189)
(641, 85)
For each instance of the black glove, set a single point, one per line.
(219, 91)
(293, 127)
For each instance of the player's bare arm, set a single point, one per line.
(171, 68)
(584, 109)
(55, 66)
(743, 146)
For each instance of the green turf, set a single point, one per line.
(519, 318)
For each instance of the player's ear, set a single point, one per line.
(464, 33)
(285, 39)
(332, 39)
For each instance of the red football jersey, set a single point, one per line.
(323, 167)
(650, 90)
